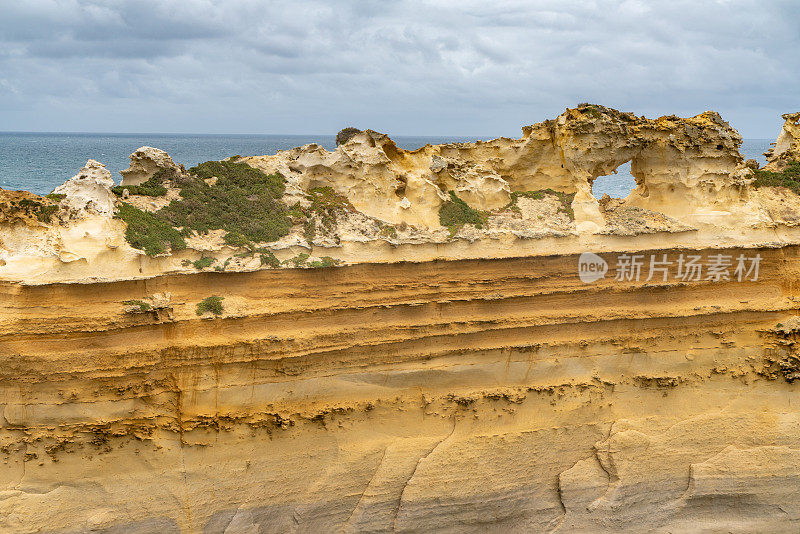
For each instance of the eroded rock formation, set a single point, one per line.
(680, 165)
(145, 162)
(374, 371)
(787, 146)
(89, 191)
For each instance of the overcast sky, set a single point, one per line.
(463, 67)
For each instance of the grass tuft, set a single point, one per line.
(211, 304)
(299, 260)
(268, 258)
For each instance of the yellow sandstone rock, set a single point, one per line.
(465, 381)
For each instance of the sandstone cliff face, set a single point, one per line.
(454, 380)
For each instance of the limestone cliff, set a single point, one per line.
(458, 338)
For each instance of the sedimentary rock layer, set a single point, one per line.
(455, 396)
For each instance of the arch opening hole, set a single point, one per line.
(617, 185)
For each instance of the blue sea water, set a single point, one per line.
(39, 162)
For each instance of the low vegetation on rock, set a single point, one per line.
(242, 201)
(324, 261)
(149, 233)
(565, 199)
(345, 134)
(152, 187)
(136, 306)
(325, 205)
(211, 304)
(789, 178)
(299, 260)
(202, 263)
(268, 258)
(455, 213)
(388, 230)
(42, 211)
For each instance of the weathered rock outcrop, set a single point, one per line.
(89, 191)
(556, 365)
(681, 165)
(787, 146)
(145, 162)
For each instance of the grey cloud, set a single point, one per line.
(439, 66)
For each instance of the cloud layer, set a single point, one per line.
(431, 67)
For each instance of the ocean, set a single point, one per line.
(39, 162)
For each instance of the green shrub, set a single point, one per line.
(345, 134)
(309, 230)
(151, 188)
(142, 305)
(242, 202)
(58, 197)
(565, 199)
(43, 212)
(147, 232)
(268, 258)
(324, 261)
(241, 175)
(221, 268)
(202, 263)
(298, 213)
(788, 178)
(235, 239)
(211, 304)
(455, 213)
(299, 260)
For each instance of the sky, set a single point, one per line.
(438, 67)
